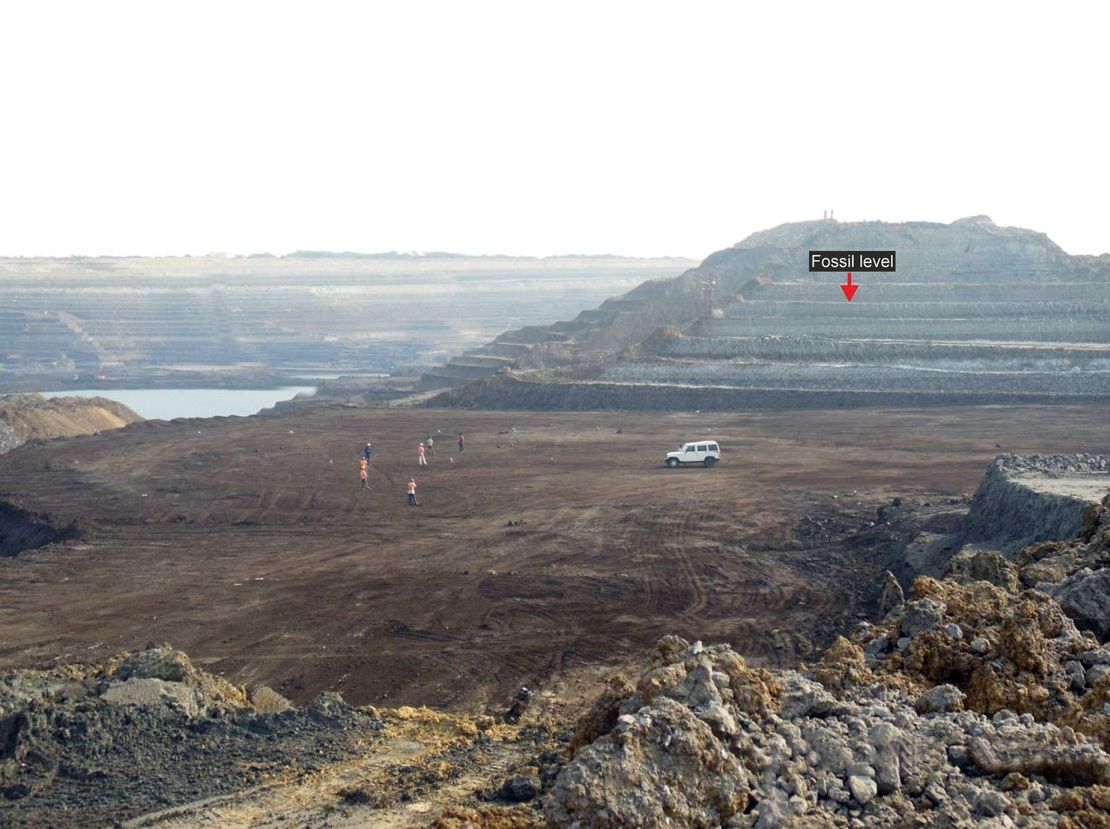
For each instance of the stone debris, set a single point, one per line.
(976, 701)
(892, 595)
(971, 565)
(704, 740)
(131, 734)
(265, 700)
(661, 766)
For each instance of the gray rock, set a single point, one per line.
(772, 811)
(980, 645)
(922, 615)
(991, 803)
(972, 565)
(146, 691)
(892, 595)
(1096, 672)
(521, 788)
(663, 767)
(1095, 656)
(1085, 597)
(863, 789)
(888, 770)
(940, 698)
(1039, 750)
(883, 735)
(1078, 676)
(953, 631)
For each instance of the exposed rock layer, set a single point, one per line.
(33, 417)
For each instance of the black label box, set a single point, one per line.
(863, 261)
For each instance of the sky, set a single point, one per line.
(636, 128)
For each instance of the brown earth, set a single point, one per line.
(33, 417)
(247, 542)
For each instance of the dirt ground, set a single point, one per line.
(542, 556)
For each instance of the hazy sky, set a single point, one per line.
(539, 128)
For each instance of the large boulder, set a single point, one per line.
(148, 691)
(983, 565)
(659, 767)
(892, 595)
(1085, 597)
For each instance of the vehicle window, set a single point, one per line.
(703, 448)
(691, 448)
(714, 447)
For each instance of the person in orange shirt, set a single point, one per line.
(412, 493)
(420, 458)
(362, 476)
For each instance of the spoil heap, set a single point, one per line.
(968, 704)
(88, 745)
(704, 740)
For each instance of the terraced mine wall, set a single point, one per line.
(507, 392)
(1025, 499)
(975, 313)
(119, 316)
(925, 352)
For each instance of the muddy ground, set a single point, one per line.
(540, 557)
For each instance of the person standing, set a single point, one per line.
(421, 460)
(412, 493)
(362, 474)
(368, 452)
(431, 441)
(462, 442)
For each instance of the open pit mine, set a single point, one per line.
(887, 604)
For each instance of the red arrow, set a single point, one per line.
(849, 289)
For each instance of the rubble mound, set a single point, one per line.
(706, 740)
(1076, 573)
(999, 650)
(97, 744)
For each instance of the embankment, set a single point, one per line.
(25, 417)
(1025, 499)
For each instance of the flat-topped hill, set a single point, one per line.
(975, 313)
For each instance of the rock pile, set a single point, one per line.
(977, 700)
(1076, 573)
(92, 745)
(704, 740)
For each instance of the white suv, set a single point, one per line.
(705, 452)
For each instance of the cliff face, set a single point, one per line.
(985, 313)
(33, 417)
